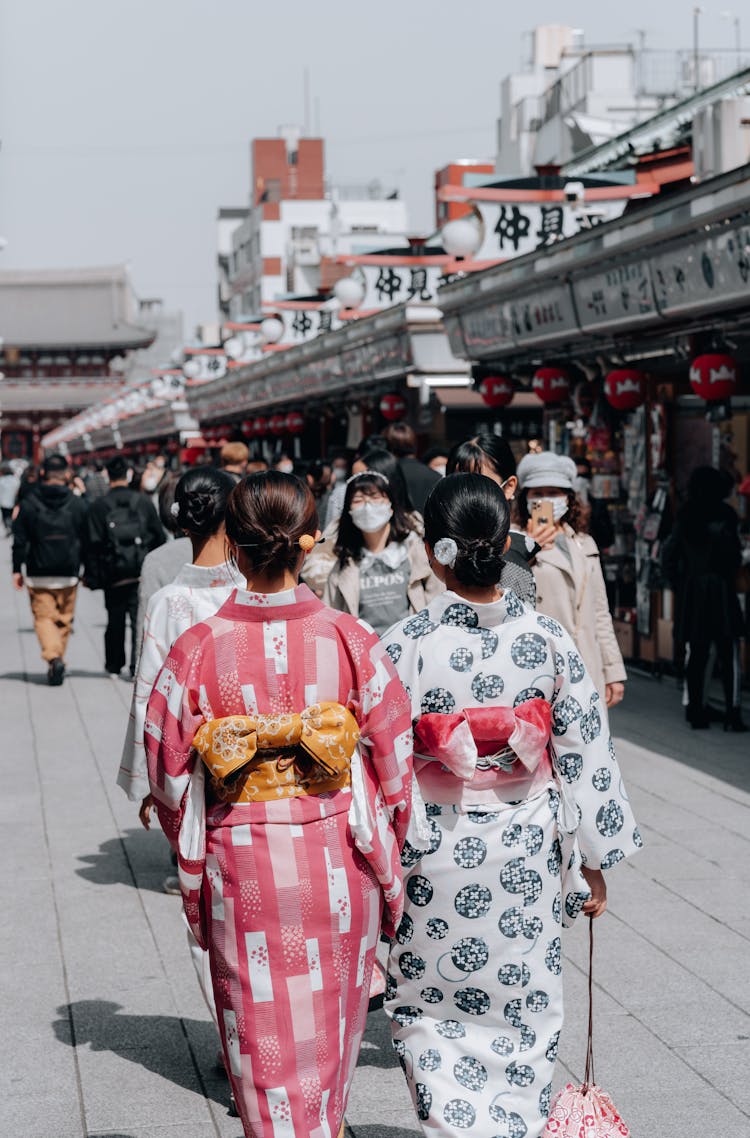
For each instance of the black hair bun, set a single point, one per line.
(478, 562)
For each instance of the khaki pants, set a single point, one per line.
(53, 610)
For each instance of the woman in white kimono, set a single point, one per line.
(197, 592)
(525, 808)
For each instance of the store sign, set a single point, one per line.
(709, 271)
(615, 296)
(487, 330)
(303, 324)
(547, 314)
(512, 229)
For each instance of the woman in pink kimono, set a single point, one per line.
(279, 753)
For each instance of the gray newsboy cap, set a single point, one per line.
(546, 469)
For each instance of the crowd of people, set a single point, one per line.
(370, 699)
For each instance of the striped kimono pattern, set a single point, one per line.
(293, 894)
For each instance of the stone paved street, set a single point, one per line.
(104, 1028)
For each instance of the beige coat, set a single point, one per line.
(342, 587)
(572, 591)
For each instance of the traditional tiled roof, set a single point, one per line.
(70, 308)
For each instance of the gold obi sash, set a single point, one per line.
(254, 758)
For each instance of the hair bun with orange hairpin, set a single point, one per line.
(306, 542)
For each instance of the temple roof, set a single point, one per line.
(70, 308)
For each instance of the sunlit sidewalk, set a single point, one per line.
(105, 1031)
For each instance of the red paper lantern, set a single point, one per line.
(295, 423)
(260, 426)
(392, 406)
(551, 384)
(714, 376)
(277, 424)
(496, 390)
(625, 389)
(248, 428)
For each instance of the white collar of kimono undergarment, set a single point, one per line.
(207, 576)
(267, 600)
(392, 556)
(507, 606)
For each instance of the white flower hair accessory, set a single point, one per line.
(174, 509)
(446, 552)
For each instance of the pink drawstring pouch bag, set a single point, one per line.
(585, 1111)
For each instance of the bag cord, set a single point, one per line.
(588, 1074)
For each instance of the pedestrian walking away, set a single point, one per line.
(420, 479)
(48, 549)
(123, 527)
(524, 809)
(294, 716)
(701, 558)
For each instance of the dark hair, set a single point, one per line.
(436, 452)
(54, 465)
(350, 541)
(267, 514)
(117, 468)
(473, 511)
(574, 516)
(492, 450)
(165, 499)
(201, 495)
(383, 462)
(400, 439)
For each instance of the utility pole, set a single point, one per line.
(696, 53)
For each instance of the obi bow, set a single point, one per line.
(326, 734)
(485, 737)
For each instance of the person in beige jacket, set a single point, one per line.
(380, 570)
(568, 573)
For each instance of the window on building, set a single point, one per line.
(272, 190)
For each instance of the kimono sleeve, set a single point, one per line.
(133, 773)
(172, 718)
(583, 756)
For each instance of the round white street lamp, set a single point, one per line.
(272, 329)
(234, 347)
(349, 292)
(461, 237)
(191, 369)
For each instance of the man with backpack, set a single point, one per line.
(123, 527)
(48, 539)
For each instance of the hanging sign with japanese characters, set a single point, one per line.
(385, 285)
(512, 229)
(302, 324)
(614, 296)
(546, 314)
(708, 272)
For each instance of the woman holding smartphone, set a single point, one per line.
(567, 570)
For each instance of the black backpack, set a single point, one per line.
(55, 541)
(125, 548)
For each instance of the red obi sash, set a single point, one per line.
(485, 738)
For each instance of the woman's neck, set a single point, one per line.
(209, 551)
(377, 541)
(479, 595)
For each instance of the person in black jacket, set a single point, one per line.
(123, 527)
(48, 540)
(700, 560)
(402, 442)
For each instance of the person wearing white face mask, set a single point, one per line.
(284, 464)
(567, 571)
(381, 572)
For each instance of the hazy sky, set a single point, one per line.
(125, 125)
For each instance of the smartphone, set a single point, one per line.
(541, 512)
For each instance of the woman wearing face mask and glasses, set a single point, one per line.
(381, 572)
(568, 574)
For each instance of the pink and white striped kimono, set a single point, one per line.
(295, 891)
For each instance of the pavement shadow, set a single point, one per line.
(139, 858)
(377, 1049)
(652, 716)
(25, 677)
(158, 1043)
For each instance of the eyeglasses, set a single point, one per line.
(362, 497)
